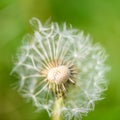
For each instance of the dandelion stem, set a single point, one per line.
(57, 109)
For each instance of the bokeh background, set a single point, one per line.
(100, 18)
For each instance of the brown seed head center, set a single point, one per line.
(58, 75)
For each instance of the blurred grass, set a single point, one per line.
(100, 18)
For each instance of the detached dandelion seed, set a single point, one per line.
(61, 70)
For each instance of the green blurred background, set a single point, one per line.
(100, 18)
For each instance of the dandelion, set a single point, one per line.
(61, 70)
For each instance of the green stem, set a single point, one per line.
(57, 109)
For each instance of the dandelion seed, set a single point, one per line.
(59, 62)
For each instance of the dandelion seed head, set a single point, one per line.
(58, 75)
(58, 62)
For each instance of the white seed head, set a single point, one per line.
(58, 75)
(61, 62)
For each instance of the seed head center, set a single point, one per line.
(58, 75)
